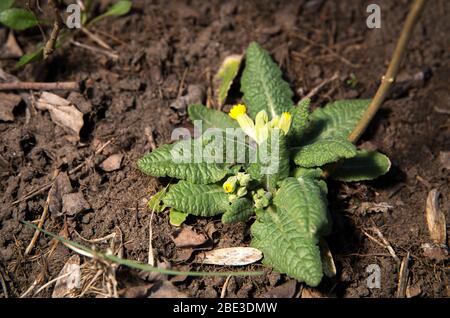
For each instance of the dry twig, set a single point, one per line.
(49, 47)
(403, 277)
(38, 86)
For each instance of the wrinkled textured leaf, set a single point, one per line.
(197, 199)
(117, 9)
(288, 234)
(313, 173)
(210, 118)
(18, 19)
(226, 75)
(5, 4)
(336, 119)
(262, 84)
(366, 165)
(324, 151)
(300, 121)
(176, 218)
(239, 210)
(161, 163)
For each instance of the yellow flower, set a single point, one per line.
(285, 122)
(261, 126)
(274, 122)
(237, 110)
(259, 130)
(230, 185)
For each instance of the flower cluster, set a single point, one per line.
(259, 130)
(261, 198)
(236, 186)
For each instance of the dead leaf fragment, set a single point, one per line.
(71, 278)
(74, 203)
(286, 290)
(7, 104)
(230, 256)
(329, 268)
(166, 289)
(62, 112)
(435, 219)
(373, 207)
(435, 252)
(112, 163)
(195, 95)
(139, 291)
(444, 158)
(61, 187)
(413, 291)
(312, 293)
(11, 48)
(187, 237)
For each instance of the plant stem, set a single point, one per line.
(386, 81)
(389, 78)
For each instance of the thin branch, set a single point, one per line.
(316, 89)
(389, 78)
(96, 39)
(37, 86)
(49, 47)
(386, 81)
(403, 277)
(111, 55)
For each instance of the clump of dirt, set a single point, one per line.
(163, 48)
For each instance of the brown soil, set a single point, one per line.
(130, 98)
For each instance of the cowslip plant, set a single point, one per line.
(277, 179)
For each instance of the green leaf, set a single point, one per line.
(262, 84)
(18, 19)
(210, 118)
(176, 218)
(300, 121)
(162, 163)
(30, 57)
(5, 4)
(366, 165)
(226, 75)
(288, 234)
(155, 202)
(117, 9)
(239, 210)
(324, 151)
(197, 199)
(313, 173)
(336, 119)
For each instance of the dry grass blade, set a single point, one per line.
(383, 243)
(134, 264)
(223, 293)
(403, 277)
(2, 281)
(435, 219)
(40, 223)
